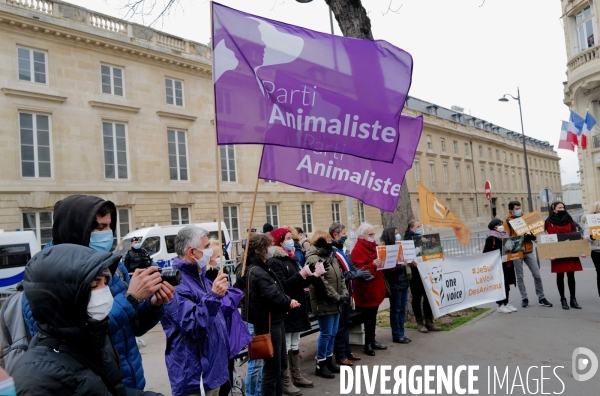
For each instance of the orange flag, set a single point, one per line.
(434, 212)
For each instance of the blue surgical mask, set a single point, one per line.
(7, 387)
(101, 241)
(137, 246)
(518, 213)
(289, 244)
(419, 231)
(398, 237)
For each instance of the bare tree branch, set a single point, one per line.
(482, 3)
(390, 9)
(145, 9)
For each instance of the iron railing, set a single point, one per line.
(452, 248)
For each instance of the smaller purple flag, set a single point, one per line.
(374, 183)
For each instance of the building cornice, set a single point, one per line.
(114, 106)
(179, 116)
(33, 95)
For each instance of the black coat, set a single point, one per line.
(72, 354)
(492, 243)
(287, 270)
(266, 295)
(396, 279)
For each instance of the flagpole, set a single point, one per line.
(249, 228)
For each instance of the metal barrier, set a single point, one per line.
(454, 249)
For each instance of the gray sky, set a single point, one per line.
(465, 53)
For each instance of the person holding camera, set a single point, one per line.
(195, 323)
(327, 294)
(137, 257)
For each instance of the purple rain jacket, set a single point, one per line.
(197, 333)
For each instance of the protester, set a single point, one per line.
(267, 304)
(198, 340)
(341, 348)
(66, 287)
(305, 244)
(398, 282)
(368, 295)
(494, 242)
(515, 211)
(327, 293)
(138, 301)
(299, 253)
(267, 228)
(293, 279)
(137, 257)
(594, 243)
(423, 317)
(300, 233)
(560, 222)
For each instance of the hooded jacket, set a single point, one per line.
(326, 290)
(72, 353)
(198, 333)
(72, 223)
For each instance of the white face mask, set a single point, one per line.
(371, 239)
(101, 302)
(270, 252)
(206, 255)
(500, 229)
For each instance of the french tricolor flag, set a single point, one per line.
(564, 142)
(576, 126)
(587, 127)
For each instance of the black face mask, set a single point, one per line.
(561, 213)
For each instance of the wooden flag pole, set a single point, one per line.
(249, 228)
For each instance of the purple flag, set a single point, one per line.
(375, 183)
(283, 85)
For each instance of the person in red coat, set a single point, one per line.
(368, 295)
(560, 222)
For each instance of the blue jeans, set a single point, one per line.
(254, 372)
(398, 302)
(328, 325)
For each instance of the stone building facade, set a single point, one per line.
(95, 105)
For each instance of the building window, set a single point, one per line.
(443, 144)
(504, 155)
(306, 218)
(489, 152)
(273, 215)
(512, 159)
(174, 92)
(115, 150)
(585, 28)
(270, 181)
(32, 65)
(492, 176)
(507, 180)
(112, 80)
(535, 162)
(445, 173)
(537, 181)
(176, 141)
(123, 225)
(416, 168)
(483, 179)
(228, 163)
(335, 212)
(40, 223)
(469, 184)
(429, 144)
(500, 181)
(431, 174)
(36, 157)
(497, 155)
(230, 215)
(361, 213)
(467, 152)
(480, 151)
(518, 159)
(180, 216)
(457, 169)
(520, 181)
(455, 146)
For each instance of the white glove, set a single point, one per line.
(305, 272)
(319, 269)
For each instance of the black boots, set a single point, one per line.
(334, 368)
(563, 302)
(377, 346)
(574, 303)
(368, 350)
(322, 370)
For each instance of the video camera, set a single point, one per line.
(172, 276)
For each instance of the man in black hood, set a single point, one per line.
(67, 289)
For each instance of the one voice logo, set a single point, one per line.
(430, 379)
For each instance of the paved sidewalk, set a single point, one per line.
(534, 336)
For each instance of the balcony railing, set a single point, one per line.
(584, 57)
(596, 141)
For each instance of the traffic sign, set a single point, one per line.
(488, 190)
(546, 195)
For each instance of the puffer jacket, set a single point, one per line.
(326, 290)
(594, 243)
(72, 353)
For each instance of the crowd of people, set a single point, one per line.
(80, 312)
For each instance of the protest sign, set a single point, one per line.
(593, 221)
(462, 282)
(549, 238)
(512, 248)
(434, 212)
(428, 247)
(390, 255)
(408, 250)
(281, 84)
(563, 249)
(531, 222)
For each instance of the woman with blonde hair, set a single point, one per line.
(594, 243)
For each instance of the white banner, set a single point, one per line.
(457, 283)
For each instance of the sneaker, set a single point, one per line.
(511, 308)
(545, 303)
(525, 303)
(503, 309)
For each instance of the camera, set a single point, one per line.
(171, 276)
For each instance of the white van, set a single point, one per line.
(160, 241)
(16, 249)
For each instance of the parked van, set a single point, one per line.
(160, 241)
(16, 249)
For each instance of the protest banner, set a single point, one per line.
(375, 183)
(593, 221)
(436, 213)
(563, 249)
(462, 282)
(549, 238)
(408, 250)
(390, 255)
(428, 247)
(531, 222)
(512, 248)
(280, 84)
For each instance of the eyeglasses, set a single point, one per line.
(373, 234)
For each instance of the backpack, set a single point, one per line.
(14, 333)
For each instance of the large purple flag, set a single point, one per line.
(283, 85)
(375, 183)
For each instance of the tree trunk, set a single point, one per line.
(354, 22)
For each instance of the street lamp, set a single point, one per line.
(518, 99)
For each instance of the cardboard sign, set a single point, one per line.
(547, 238)
(563, 249)
(531, 222)
(390, 255)
(409, 251)
(593, 221)
(428, 247)
(512, 248)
